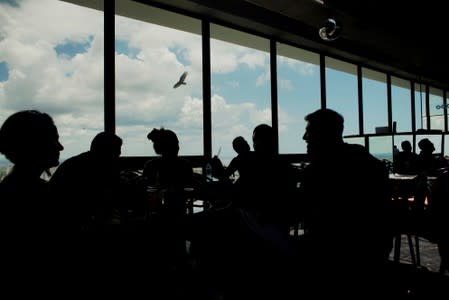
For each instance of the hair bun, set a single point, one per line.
(154, 134)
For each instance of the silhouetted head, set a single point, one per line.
(324, 130)
(406, 146)
(30, 137)
(165, 142)
(426, 146)
(263, 139)
(240, 145)
(106, 144)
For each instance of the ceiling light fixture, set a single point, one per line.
(330, 30)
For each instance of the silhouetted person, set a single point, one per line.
(170, 174)
(89, 183)
(405, 161)
(30, 140)
(267, 189)
(266, 200)
(427, 163)
(246, 248)
(346, 209)
(168, 171)
(439, 209)
(239, 163)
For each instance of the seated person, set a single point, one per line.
(170, 174)
(268, 185)
(345, 207)
(405, 161)
(426, 162)
(240, 162)
(89, 182)
(30, 140)
(168, 171)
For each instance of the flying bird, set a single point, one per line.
(181, 80)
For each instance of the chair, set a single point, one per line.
(407, 195)
(439, 215)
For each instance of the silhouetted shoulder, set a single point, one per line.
(359, 153)
(71, 168)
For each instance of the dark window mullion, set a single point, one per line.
(207, 112)
(360, 97)
(274, 92)
(323, 80)
(109, 66)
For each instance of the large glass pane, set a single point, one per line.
(241, 91)
(401, 103)
(342, 92)
(298, 94)
(420, 106)
(436, 107)
(446, 146)
(381, 147)
(153, 48)
(51, 59)
(375, 109)
(355, 140)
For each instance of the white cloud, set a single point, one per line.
(262, 78)
(191, 113)
(226, 57)
(253, 58)
(285, 84)
(233, 84)
(72, 89)
(303, 68)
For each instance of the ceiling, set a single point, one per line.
(394, 36)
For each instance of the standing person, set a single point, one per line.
(89, 183)
(30, 140)
(345, 208)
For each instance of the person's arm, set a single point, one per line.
(149, 172)
(231, 168)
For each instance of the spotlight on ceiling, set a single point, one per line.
(330, 30)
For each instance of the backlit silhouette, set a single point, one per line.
(181, 80)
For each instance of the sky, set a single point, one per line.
(51, 59)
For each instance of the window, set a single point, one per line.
(420, 106)
(153, 48)
(436, 108)
(54, 69)
(342, 92)
(375, 111)
(241, 90)
(298, 81)
(381, 147)
(401, 103)
(355, 140)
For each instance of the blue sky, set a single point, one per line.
(71, 48)
(58, 69)
(14, 3)
(4, 71)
